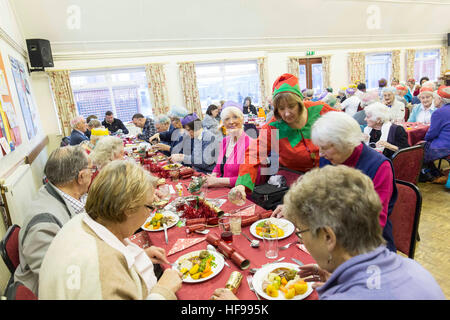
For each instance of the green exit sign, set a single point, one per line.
(310, 53)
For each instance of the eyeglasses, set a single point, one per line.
(299, 234)
(150, 207)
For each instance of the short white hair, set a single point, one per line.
(106, 150)
(338, 129)
(378, 111)
(74, 122)
(161, 119)
(231, 110)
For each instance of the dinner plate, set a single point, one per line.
(165, 213)
(262, 273)
(218, 260)
(287, 226)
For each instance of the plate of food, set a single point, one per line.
(172, 166)
(199, 266)
(270, 226)
(280, 281)
(156, 221)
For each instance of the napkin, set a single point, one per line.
(249, 211)
(141, 239)
(182, 244)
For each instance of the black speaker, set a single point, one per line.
(448, 39)
(40, 53)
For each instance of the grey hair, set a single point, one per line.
(74, 122)
(94, 123)
(105, 150)
(64, 164)
(233, 110)
(337, 128)
(341, 198)
(378, 111)
(162, 119)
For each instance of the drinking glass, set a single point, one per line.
(270, 240)
(235, 224)
(225, 229)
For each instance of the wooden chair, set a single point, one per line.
(405, 217)
(408, 162)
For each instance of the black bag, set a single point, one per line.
(268, 196)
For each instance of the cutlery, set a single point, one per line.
(211, 248)
(288, 245)
(250, 285)
(165, 233)
(297, 261)
(254, 243)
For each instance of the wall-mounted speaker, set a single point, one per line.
(40, 53)
(448, 39)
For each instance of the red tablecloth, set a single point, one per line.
(204, 290)
(416, 131)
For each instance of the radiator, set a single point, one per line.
(19, 189)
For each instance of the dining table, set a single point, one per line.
(196, 241)
(416, 131)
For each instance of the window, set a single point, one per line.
(227, 81)
(427, 64)
(377, 66)
(122, 91)
(310, 74)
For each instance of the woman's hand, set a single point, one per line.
(223, 294)
(157, 255)
(178, 157)
(211, 181)
(162, 147)
(154, 137)
(278, 212)
(237, 195)
(315, 274)
(385, 144)
(171, 279)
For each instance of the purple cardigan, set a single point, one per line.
(439, 132)
(380, 275)
(231, 166)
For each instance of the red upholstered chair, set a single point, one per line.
(9, 248)
(405, 217)
(408, 162)
(407, 112)
(17, 291)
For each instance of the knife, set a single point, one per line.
(165, 233)
(297, 261)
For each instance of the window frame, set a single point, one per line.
(422, 58)
(308, 62)
(389, 68)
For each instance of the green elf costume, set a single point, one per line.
(295, 148)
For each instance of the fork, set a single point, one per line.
(250, 285)
(287, 246)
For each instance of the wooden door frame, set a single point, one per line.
(307, 62)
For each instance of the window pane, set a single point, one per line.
(427, 64)
(93, 102)
(377, 66)
(127, 102)
(317, 83)
(302, 77)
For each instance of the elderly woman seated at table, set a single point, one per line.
(381, 133)
(231, 149)
(423, 111)
(396, 108)
(339, 139)
(91, 257)
(196, 148)
(210, 122)
(107, 149)
(437, 139)
(335, 210)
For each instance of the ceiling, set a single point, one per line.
(133, 25)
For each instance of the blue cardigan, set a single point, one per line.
(416, 110)
(439, 132)
(76, 137)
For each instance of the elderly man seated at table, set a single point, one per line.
(197, 148)
(396, 108)
(335, 210)
(69, 172)
(437, 139)
(146, 124)
(101, 263)
(231, 149)
(423, 111)
(381, 134)
(167, 140)
(79, 127)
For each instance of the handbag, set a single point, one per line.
(269, 196)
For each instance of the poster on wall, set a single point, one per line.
(29, 111)
(9, 125)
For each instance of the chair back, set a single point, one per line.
(407, 112)
(65, 141)
(407, 163)
(405, 217)
(17, 291)
(9, 248)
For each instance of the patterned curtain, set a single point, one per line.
(326, 71)
(157, 87)
(293, 66)
(263, 85)
(63, 97)
(357, 67)
(410, 59)
(443, 54)
(189, 87)
(395, 67)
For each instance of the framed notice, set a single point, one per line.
(3, 84)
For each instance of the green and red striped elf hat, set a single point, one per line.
(287, 83)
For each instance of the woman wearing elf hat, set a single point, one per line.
(290, 129)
